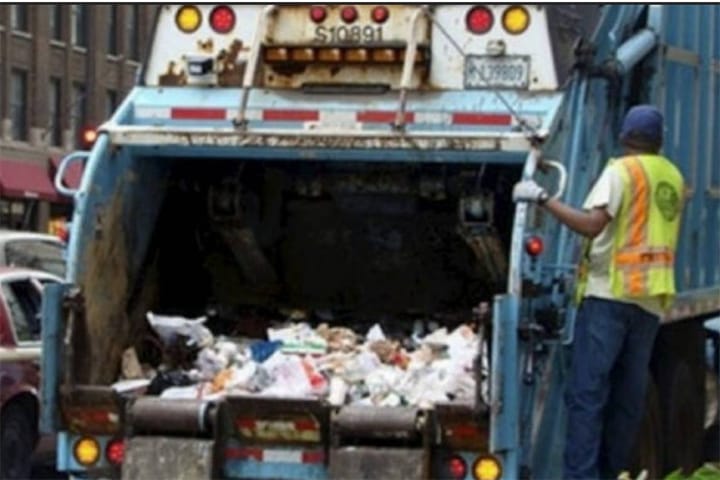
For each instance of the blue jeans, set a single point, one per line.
(605, 393)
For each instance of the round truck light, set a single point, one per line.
(188, 18)
(487, 468)
(380, 14)
(479, 20)
(457, 467)
(349, 14)
(222, 19)
(516, 19)
(115, 451)
(534, 246)
(86, 451)
(318, 14)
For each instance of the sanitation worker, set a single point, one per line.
(630, 221)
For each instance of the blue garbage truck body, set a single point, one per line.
(359, 159)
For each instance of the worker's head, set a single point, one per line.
(642, 129)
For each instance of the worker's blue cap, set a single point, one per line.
(643, 123)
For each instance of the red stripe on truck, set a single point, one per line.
(379, 116)
(197, 113)
(244, 453)
(481, 119)
(291, 115)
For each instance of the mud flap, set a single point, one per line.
(170, 458)
(354, 463)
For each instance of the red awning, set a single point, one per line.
(26, 180)
(73, 174)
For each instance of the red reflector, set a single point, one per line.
(380, 14)
(534, 246)
(349, 14)
(378, 116)
(479, 20)
(457, 467)
(115, 451)
(318, 14)
(313, 456)
(243, 453)
(291, 115)
(306, 425)
(197, 114)
(222, 19)
(481, 119)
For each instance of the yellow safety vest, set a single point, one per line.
(646, 234)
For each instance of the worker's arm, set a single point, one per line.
(588, 223)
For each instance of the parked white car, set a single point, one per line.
(32, 250)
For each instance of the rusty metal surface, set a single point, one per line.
(158, 415)
(355, 463)
(378, 422)
(317, 139)
(170, 458)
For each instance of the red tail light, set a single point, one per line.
(318, 14)
(380, 14)
(479, 20)
(222, 19)
(457, 467)
(349, 14)
(534, 246)
(115, 451)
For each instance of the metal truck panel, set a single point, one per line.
(690, 98)
(170, 458)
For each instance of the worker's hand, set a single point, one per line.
(529, 191)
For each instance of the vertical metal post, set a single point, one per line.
(252, 64)
(408, 64)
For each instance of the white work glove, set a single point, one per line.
(529, 191)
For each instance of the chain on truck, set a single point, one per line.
(359, 159)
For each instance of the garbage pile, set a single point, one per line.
(331, 363)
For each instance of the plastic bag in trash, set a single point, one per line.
(209, 363)
(357, 369)
(289, 375)
(165, 380)
(375, 334)
(170, 329)
(262, 350)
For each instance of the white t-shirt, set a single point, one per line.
(607, 194)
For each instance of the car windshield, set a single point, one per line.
(38, 254)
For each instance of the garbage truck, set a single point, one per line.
(355, 162)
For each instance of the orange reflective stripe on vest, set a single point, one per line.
(635, 277)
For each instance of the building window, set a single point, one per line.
(18, 105)
(77, 117)
(110, 103)
(55, 125)
(19, 17)
(18, 214)
(133, 47)
(56, 22)
(78, 33)
(112, 44)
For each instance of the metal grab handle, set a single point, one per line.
(252, 64)
(408, 64)
(562, 171)
(64, 164)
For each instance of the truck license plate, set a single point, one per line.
(489, 72)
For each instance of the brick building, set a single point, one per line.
(63, 67)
